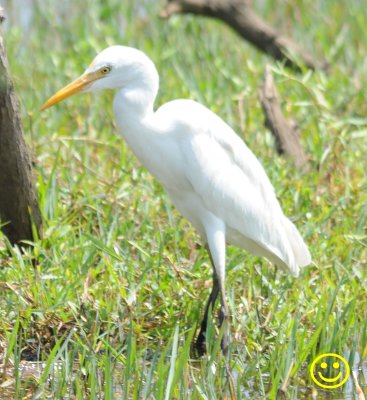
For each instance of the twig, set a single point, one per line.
(359, 390)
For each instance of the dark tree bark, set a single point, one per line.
(239, 15)
(18, 204)
(285, 132)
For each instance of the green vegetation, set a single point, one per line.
(121, 279)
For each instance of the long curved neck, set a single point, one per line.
(135, 100)
(133, 108)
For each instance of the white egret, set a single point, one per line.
(209, 173)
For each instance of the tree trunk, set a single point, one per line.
(239, 15)
(18, 204)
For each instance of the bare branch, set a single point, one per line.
(239, 15)
(286, 132)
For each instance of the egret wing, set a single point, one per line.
(234, 187)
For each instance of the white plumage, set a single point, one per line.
(210, 174)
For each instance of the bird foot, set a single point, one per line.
(200, 345)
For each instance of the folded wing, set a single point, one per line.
(234, 186)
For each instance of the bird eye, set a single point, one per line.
(105, 70)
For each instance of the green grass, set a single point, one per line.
(121, 279)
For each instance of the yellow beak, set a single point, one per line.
(72, 88)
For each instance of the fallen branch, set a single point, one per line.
(286, 132)
(240, 16)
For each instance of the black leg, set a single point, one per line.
(223, 314)
(200, 341)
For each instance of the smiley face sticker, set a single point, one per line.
(329, 370)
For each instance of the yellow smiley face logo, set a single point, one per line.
(338, 367)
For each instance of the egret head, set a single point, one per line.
(116, 67)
